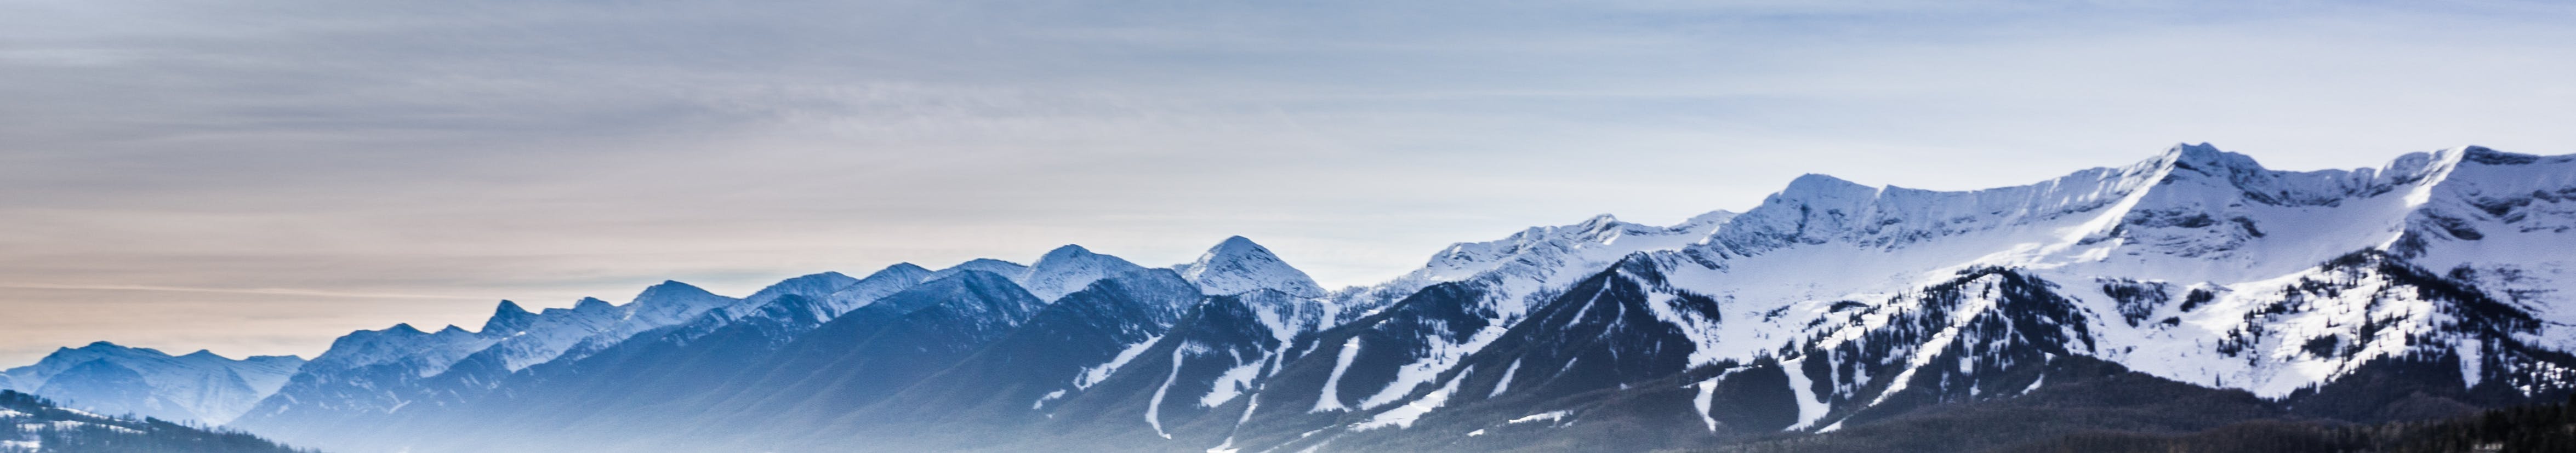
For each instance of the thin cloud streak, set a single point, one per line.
(274, 291)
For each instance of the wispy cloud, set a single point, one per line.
(268, 291)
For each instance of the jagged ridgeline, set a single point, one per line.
(2191, 291)
(29, 424)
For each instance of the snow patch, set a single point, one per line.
(1154, 407)
(1809, 408)
(1506, 383)
(1402, 417)
(1708, 394)
(1093, 375)
(1549, 417)
(1331, 399)
(1231, 384)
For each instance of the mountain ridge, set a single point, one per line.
(1830, 305)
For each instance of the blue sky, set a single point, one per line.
(260, 176)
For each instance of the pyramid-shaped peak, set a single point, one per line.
(509, 317)
(1236, 248)
(1238, 265)
(900, 268)
(405, 329)
(1066, 251)
(1073, 255)
(1070, 268)
(673, 285)
(1819, 182)
(670, 291)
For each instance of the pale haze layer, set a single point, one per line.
(259, 177)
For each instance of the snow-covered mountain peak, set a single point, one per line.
(1814, 307)
(585, 305)
(1528, 262)
(1599, 240)
(65, 357)
(2209, 168)
(968, 290)
(2191, 200)
(1070, 268)
(403, 345)
(810, 285)
(998, 267)
(2205, 155)
(1599, 222)
(2489, 156)
(1822, 193)
(899, 269)
(1238, 265)
(200, 386)
(2201, 215)
(672, 301)
(813, 288)
(509, 317)
(1067, 251)
(672, 290)
(2501, 220)
(666, 304)
(1236, 246)
(876, 285)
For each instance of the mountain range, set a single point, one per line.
(29, 424)
(2194, 282)
(198, 387)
